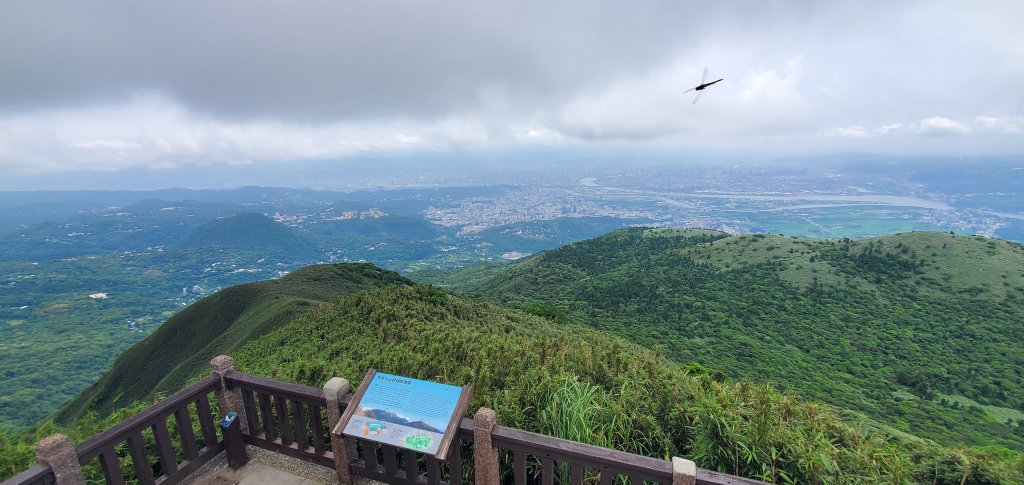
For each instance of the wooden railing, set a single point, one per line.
(295, 420)
(194, 452)
(175, 459)
(283, 417)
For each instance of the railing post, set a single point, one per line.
(57, 452)
(229, 400)
(343, 450)
(234, 445)
(485, 455)
(684, 472)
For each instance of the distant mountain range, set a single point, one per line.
(392, 417)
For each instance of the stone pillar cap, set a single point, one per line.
(52, 446)
(335, 388)
(486, 417)
(684, 472)
(222, 363)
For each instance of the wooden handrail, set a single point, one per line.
(590, 456)
(299, 392)
(291, 414)
(92, 447)
(38, 474)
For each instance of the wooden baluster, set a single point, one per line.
(370, 454)
(607, 477)
(206, 420)
(140, 461)
(390, 463)
(188, 437)
(283, 423)
(520, 468)
(455, 463)
(547, 471)
(317, 426)
(164, 447)
(412, 466)
(250, 411)
(266, 416)
(575, 474)
(433, 471)
(299, 423)
(111, 467)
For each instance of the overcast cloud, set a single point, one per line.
(116, 85)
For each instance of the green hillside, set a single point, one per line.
(905, 329)
(221, 323)
(250, 232)
(582, 384)
(560, 379)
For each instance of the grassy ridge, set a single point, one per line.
(220, 323)
(582, 384)
(853, 323)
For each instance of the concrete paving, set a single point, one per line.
(257, 474)
(266, 468)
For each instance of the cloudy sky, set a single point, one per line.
(118, 86)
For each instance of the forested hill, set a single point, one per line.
(221, 323)
(585, 385)
(255, 233)
(920, 331)
(561, 379)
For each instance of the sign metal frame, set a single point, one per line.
(450, 431)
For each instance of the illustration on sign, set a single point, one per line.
(404, 412)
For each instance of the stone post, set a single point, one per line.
(344, 449)
(485, 456)
(228, 399)
(57, 452)
(684, 472)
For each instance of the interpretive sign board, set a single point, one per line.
(409, 413)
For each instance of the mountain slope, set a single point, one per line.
(898, 327)
(578, 383)
(182, 347)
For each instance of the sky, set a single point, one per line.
(131, 90)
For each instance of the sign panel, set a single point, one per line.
(405, 412)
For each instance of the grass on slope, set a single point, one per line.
(182, 347)
(845, 322)
(578, 383)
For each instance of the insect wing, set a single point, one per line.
(704, 79)
(699, 94)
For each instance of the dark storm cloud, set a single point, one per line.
(328, 59)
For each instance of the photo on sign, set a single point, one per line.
(404, 412)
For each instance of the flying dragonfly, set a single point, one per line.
(704, 84)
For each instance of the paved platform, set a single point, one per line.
(255, 474)
(266, 468)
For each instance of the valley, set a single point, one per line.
(85, 275)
